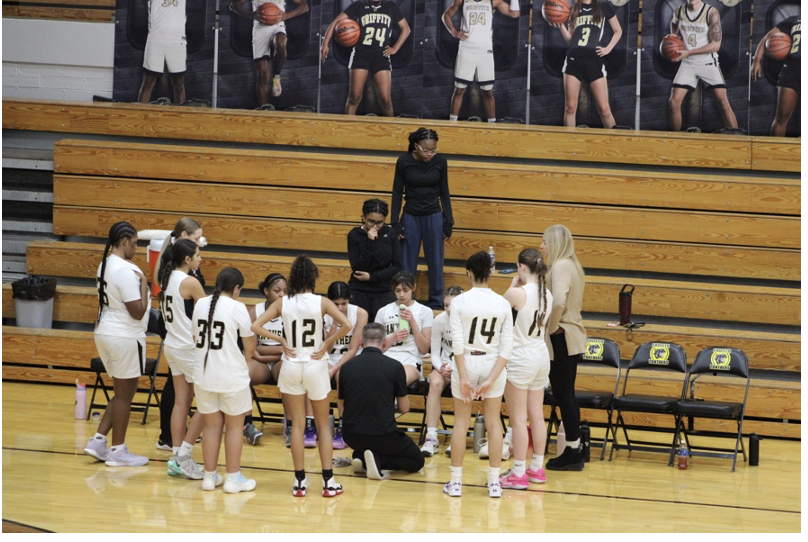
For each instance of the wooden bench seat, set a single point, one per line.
(314, 236)
(68, 10)
(484, 215)
(765, 350)
(376, 134)
(613, 186)
(707, 301)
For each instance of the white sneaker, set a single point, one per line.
(507, 449)
(211, 481)
(483, 453)
(494, 489)
(448, 450)
(430, 447)
(124, 458)
(374, 472)
(453, 489)
(239, 484)
(190, 468)
(97, 448)
(358, 467)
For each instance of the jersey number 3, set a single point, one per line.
(216, 335)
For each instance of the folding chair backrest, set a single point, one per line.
(721, 361)
(602, 352)
(654, 356)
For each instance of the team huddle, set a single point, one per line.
(485, 346)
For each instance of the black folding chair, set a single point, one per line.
(650, 360)
(714, 365)
(599, 354)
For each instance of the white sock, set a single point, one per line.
(119, 447)
(493, 474)
(519, 467)
(210, 474)
(99, 436)
(175, 450)
(233, 476)
(452, 117)
(537, 463)
(432, 432)
(185, 449)
(508, 438)
(457, 474)
(492, 120)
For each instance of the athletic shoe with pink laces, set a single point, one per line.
(537, 476)
(512, 481)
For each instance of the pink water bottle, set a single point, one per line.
(81, 400)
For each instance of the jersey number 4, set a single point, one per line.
(217, 335)
(380, 35)
(485, 330)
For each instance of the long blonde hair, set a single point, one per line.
(559, 245)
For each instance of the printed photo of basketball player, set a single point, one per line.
(699, 26)
(475, 54)
(268, 40)
(782, 43)
(372, 52)
(165, 46)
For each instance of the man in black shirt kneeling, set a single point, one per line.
(374, 387)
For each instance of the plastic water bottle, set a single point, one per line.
(561, 440)
(479, 432)
(493, 257)
(402, 323)
(586, 436)
(683, 455)
(81, 401)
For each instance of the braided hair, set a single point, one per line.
(226, 281)
(420, 135)
(338, 290)
(532, 258)
(374, 205)
(184, 248)
(303, 275)
(118, 232)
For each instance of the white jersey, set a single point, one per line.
(341, 346)
(303, 324)
(406, 351)
(441, 341)
(167, 21)
(175, 313)
(258, 3)
(481, 323)
(694, 28)
(526, 331)
(121, 285)
(478, 22)
(226, 368)
(273, 326)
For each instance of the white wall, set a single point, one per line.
(57, 60)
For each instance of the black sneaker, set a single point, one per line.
(163, 445)
(570, 459)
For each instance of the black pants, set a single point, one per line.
(166, 408)
(372, 302)
(394, 451)
(563, 370)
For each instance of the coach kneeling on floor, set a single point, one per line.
(374, 387)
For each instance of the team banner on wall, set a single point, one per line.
(579, 63)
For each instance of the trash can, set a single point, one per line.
(33, 301)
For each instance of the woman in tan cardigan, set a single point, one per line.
(567, 337)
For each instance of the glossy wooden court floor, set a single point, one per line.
(49, 484)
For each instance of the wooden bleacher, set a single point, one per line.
(68, 10)
(657, 211)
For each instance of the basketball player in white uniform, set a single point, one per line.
(120, 337)
(699, 26)
(305, 371)
(269, 42)
(221, 378)
(482, 343)
(528, 368)
(475, 54)
(179, 292)
(441, 374)
(406, 346)
(165, 46)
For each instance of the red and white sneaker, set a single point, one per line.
(512, 481)
(331, 488)
(537, 476)
(299, 488)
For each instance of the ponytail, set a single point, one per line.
(421, 134)
(180, 250)
(226, 281)
(118, 232)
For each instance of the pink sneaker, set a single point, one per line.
(511, 481)
(537, 476)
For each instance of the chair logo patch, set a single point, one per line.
(719, 359)
(660, 354)
(594, 350)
